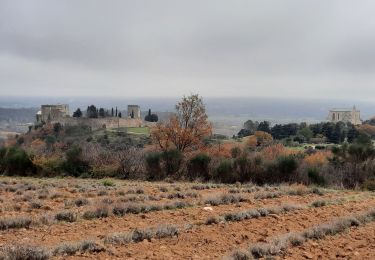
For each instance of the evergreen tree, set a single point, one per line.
(101, 112)
(77, 113)
(264, 126)
(116, 112)
(151, 117)
(112, 112)
(119, 115)
(92, 112)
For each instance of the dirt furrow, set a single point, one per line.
(211, 242)
(94, 229)
(357, 243)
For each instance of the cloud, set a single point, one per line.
(169, 48)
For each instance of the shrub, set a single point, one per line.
(102, 193)
(286, 166)
(241, 255)
(107, 201)
(166, 231)
(74, 163)
(242, 165)
(198, 167)
(213, 220)
(23, 252)
(66, 216)
(319, 203)
(225, 199)
(35, 205)
(15, 222)
(225, 173)
(369, 185)
(172, 161)
(163, 189)
(108, 183)
(267, 195)
(81, 202)
(154, 170)
(99, 212)
(72, 249)
(15, 161)
(235, 152)
(138, 235)
(315, 177)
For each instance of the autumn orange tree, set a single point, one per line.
(186, 128)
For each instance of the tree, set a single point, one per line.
(116, 111)
(251, 126)
(151, 117)
(306, 133)
(186, 129)
(77, 113)
(101, 112)
(264, 127)
(112, 112)
(92, 112)
(119, 115)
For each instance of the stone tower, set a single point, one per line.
(134, 111)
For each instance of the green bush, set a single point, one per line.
(286, 166)
(108, 183)
(15, 161)
(315, 177)
(242, 166)
(369, 185)
(225, 173)
(74, 163)
(172, 161)
(198, 167)
(153, 167)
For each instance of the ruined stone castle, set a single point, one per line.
(49, 113)
(346, 115)
(60, 114)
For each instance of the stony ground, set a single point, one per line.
(59, 213)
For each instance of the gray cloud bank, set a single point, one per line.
(289, 48)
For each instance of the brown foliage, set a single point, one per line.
(186, 129)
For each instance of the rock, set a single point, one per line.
(356, 253)
(307, 255)
(274, 216)
(208, 209)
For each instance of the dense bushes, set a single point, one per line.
(198, 167)
(74, 163)
(315, 177)
(347, 165)
(154, 170)
(15, 161)
(172, 161)
(225, 173)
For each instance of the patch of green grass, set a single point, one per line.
(138, 130)
(108, 183)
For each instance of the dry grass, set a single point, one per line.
(15, 222)
(279, 244)
(23, 252)
(138, 235)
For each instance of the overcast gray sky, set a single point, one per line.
(320, 48)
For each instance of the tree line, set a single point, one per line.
(318, 133)
(93, 112)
